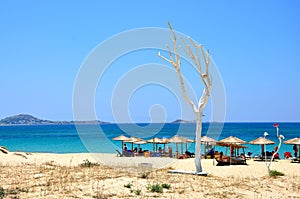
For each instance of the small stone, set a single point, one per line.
(38, 175)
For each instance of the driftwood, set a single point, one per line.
(4, 150)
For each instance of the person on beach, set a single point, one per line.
(141, 151)
(211, 153)
(295, 150)
(160, 150)
(170, 151)
(125, 147)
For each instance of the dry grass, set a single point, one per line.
(57, 181)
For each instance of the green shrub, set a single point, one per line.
(87, 163)
(145, 175)
(156, 188)
(128, 185)
(138, 192)
(166, 186)
(274, 173)
(2, 192)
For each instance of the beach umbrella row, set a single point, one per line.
(175, 139)
(229, 141)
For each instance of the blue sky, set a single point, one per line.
(255, 45)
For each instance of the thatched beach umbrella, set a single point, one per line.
(165, 141)
(154, 141)
(121, 138)
(262, 141)
(188, 141)
(207, 141)
(295, 141)
(178, 139)
(133, 140)
(232, 142)
(140, 142)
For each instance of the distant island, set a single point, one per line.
(23, 119)
(26, 119)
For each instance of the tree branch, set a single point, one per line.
(176, 65)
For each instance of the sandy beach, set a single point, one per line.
(42, 175)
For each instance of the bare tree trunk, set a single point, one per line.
(196, 53)
(279, 145)
(198, 141)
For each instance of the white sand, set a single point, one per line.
(253, 169)
(42, 175)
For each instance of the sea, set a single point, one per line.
(98, 138)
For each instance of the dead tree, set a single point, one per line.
(201, 61)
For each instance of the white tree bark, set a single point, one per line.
(198, 56)
(280, 138)
(198, 142)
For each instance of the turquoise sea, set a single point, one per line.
(98, 138)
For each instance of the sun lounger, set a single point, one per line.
(119, 153)
(125, 153)
(4, 150)
(128, 153)
(155, 154)
(226, 160)
(296, 160)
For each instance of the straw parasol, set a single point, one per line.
(140, 142)
(262, 141)
(133, 140)
(121, 138)
(232, 142)
(156, 141)
(294, 141)
(165, 141)
(178, 139)
(188, 141)
(206, 139)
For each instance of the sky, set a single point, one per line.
(254, 44)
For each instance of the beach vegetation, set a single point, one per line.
(87, 163)
(145, 175)
(274, 173)
(137, 192)
(129, 185)
(156, 188)
(166, 186)
(5, 192)
(2, 192)
(15, 197)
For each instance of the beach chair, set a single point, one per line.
(155, 154)
(119, 153)
(128, 153)
(287, 155)
(4, 150)
(296, 160)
